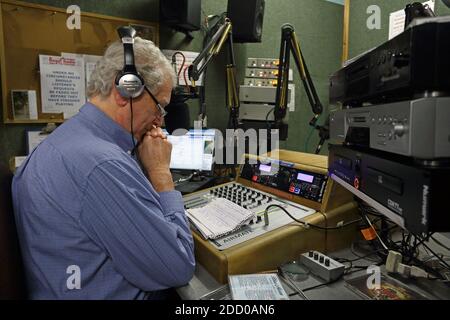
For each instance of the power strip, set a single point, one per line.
(322, 266)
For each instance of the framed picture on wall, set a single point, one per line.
(34, 138)
(24, 104)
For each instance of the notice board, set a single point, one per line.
(29, 30)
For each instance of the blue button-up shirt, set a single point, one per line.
(90, 224)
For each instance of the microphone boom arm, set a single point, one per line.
(290, 45)
(213, 48)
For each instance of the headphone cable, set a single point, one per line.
(133, 152)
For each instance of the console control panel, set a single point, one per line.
(285, 177)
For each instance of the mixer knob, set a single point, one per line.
(283, 178)
(400, 129)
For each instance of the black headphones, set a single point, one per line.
(129, 82)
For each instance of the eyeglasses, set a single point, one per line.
(162, 112)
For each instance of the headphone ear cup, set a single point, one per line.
(129, 85)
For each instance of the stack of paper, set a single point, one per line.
(219, 217)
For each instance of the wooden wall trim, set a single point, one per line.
(345, 39)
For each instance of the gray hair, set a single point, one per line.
(150, 62)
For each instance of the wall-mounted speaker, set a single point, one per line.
(184, 15)
(247, 19)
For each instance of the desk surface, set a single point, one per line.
(203, 283)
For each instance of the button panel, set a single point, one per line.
(308, 185)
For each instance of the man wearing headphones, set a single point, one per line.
(95, 206)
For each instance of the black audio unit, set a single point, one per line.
(183, 15)
(247, 18)
(413, 64)
(414, 196)
(284, 177)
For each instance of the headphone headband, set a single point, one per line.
(128, 82)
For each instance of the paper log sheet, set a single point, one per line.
(219, 217)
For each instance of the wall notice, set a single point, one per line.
(62, 84)
(397, 20)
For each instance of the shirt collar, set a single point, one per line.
(113, 131)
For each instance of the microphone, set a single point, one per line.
(178, 116)
(324, 134)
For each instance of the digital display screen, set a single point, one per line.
(305, 177)
(265, 168)
(193, 150)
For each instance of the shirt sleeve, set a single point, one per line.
(146, 234)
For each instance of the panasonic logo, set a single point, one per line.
(130, 81)
(425, 192)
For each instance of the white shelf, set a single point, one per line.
(378, 206)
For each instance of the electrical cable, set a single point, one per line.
(135, 151)
(409, 244)
(439, 243)
(174, 60)
(185, 80)
(291, 284)
(369, 210)
(436, 255)
(131, 127)
(385, 237)
(366, 256)
(308, 224)
(361, 257)
(268, 114)
(267, 120)
(376, 233)
(322, 284)
(410, 252)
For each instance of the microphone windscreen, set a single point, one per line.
(177, 116)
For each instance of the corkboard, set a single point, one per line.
(27, 30)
